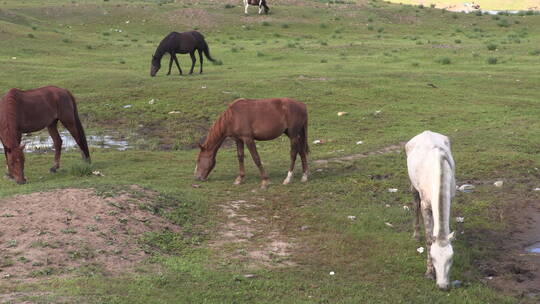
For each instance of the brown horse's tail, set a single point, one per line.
(303, 142)
(80, 130)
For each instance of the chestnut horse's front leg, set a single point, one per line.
(255, 155)
(8, 174)
(57, 140)
(240, 154)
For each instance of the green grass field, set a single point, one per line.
(361, 58)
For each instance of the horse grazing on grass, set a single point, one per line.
(31, 111)
(260, 3)
(431, 171)
(247, 120)
(180, 43)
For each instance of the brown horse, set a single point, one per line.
(31, 111)
(247, 120)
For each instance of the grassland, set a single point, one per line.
(371, 59)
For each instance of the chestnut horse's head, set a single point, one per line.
(15, 161)
(441, 254)
(155, 66)
(205, 163)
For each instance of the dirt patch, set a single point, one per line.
(514, 270)
(74, 231)
(397, 148)
(192, 17)
(250, 239)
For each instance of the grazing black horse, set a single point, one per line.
(183, 43)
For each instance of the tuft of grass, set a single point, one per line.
(535, 52)
(503, 23)
(492, 60)
(81, 169)
(265, 23)
(228, 5)
(458, 41)
(260, 54)
(66, 40)
(285, 25)
(30, 35)
(491, 46)
(217, 62)
(444, 60)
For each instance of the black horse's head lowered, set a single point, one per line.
(156, 65)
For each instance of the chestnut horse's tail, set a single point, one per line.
(303, 142)
(80, 130)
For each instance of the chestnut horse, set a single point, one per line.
(31, 111)
(247, 120)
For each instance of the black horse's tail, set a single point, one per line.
(82, 137)
(206, 50)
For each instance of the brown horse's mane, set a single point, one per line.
(8, 110)
(215, 134)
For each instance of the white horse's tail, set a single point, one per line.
(440, 193)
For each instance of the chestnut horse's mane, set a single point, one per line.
(215, 134)
(8, 111)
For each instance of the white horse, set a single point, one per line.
(260, 3)
(431, 171)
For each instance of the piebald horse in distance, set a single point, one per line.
(260, 3)
(30, 111)
(247, 120)
(432, 174)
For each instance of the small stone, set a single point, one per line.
(195, 186)
(303, 228)
(127, 106)
(359, 142)
(498, 183)
(341, 113)
(174, 112)
(406, 208)
(332, 273)
(420, 249)
(536, 189)
(250, 276)
(318, 141)
(13, 58)
(351, 217)
(460, 219)
(389, 224)
(456, 283)
(466, 188)
(152, 101)
(392, 190)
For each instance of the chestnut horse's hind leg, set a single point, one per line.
(294, 153)
(255, 155)
(177, 63)
(240, 154)
(193, 60)
(57, 140)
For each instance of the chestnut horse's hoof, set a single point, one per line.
(52, 170)
(304, 178)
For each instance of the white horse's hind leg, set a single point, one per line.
(260, 8)
(245, 6)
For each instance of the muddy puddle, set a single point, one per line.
(40, 142)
